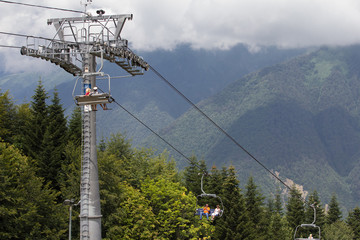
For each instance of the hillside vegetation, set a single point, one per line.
(194, 72)
(299, 118)
(143, 195)
(310, 144)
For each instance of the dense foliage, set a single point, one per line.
(143, 195)
(300, 118)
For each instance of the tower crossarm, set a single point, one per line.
(95, 35)
(59, 53)
(123, 57)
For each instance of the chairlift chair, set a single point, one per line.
(208, 195)
(95, 98)
(311, 225)
(307, 226)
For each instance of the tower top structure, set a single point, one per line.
(98, 35)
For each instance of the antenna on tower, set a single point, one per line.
(85, 3)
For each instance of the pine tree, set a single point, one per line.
(334, 213)
(7, 118)
(102, 145)
(192, 176)
(255, 209)
(278, 228)
(22, 121)
(353, 220)
(216, 182)
(314, 200)
(119, 146)
(278, 206)
(27, 206)
(69, 175)
(295, 208)
(75, 127)
(36, 127)
(318, 216)
(338, 230)
(53, 144)
(234, 224)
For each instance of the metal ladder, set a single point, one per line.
(85, 178)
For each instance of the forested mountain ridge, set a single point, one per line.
(283, 114)
(194, 72)
(299, 118)
(145, 196)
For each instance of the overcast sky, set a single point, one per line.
(208, 24)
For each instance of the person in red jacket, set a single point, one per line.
(206, 211)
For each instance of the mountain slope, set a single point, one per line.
(300, 118)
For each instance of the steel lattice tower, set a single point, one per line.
(77, 43)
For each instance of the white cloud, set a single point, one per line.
(208, 24)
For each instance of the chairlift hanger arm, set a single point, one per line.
(210, 194)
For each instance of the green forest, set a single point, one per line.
(143, 194)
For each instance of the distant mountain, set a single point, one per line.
(300, 118)
(198, 74)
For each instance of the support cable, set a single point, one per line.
(183, 155)
(221, 129)
(29, 36)
(8, 46)
(14, 34)
(137, 119)
(40, 6)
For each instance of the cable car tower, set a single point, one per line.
(76, 45)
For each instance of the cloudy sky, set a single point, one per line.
(208, 24)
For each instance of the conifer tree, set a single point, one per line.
(278, 206)
(36, 127)
(28, 209)
(53, 144)
(216, 182)
(192, 176)
(119, 146)
(338, 230)
(234, 224)
(7, 118)
(69, 176)
(314, 212)
(75, 127)
(255, 209)
(102, 145)
(295, 214)
(23, 116)
(334, 213)
(314, 200)
(274, 214)
(353, 220)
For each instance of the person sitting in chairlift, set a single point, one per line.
(103, 105)
(87, 92)
(93, 107)
(87, 108)
(216, 212)
(206, 211)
